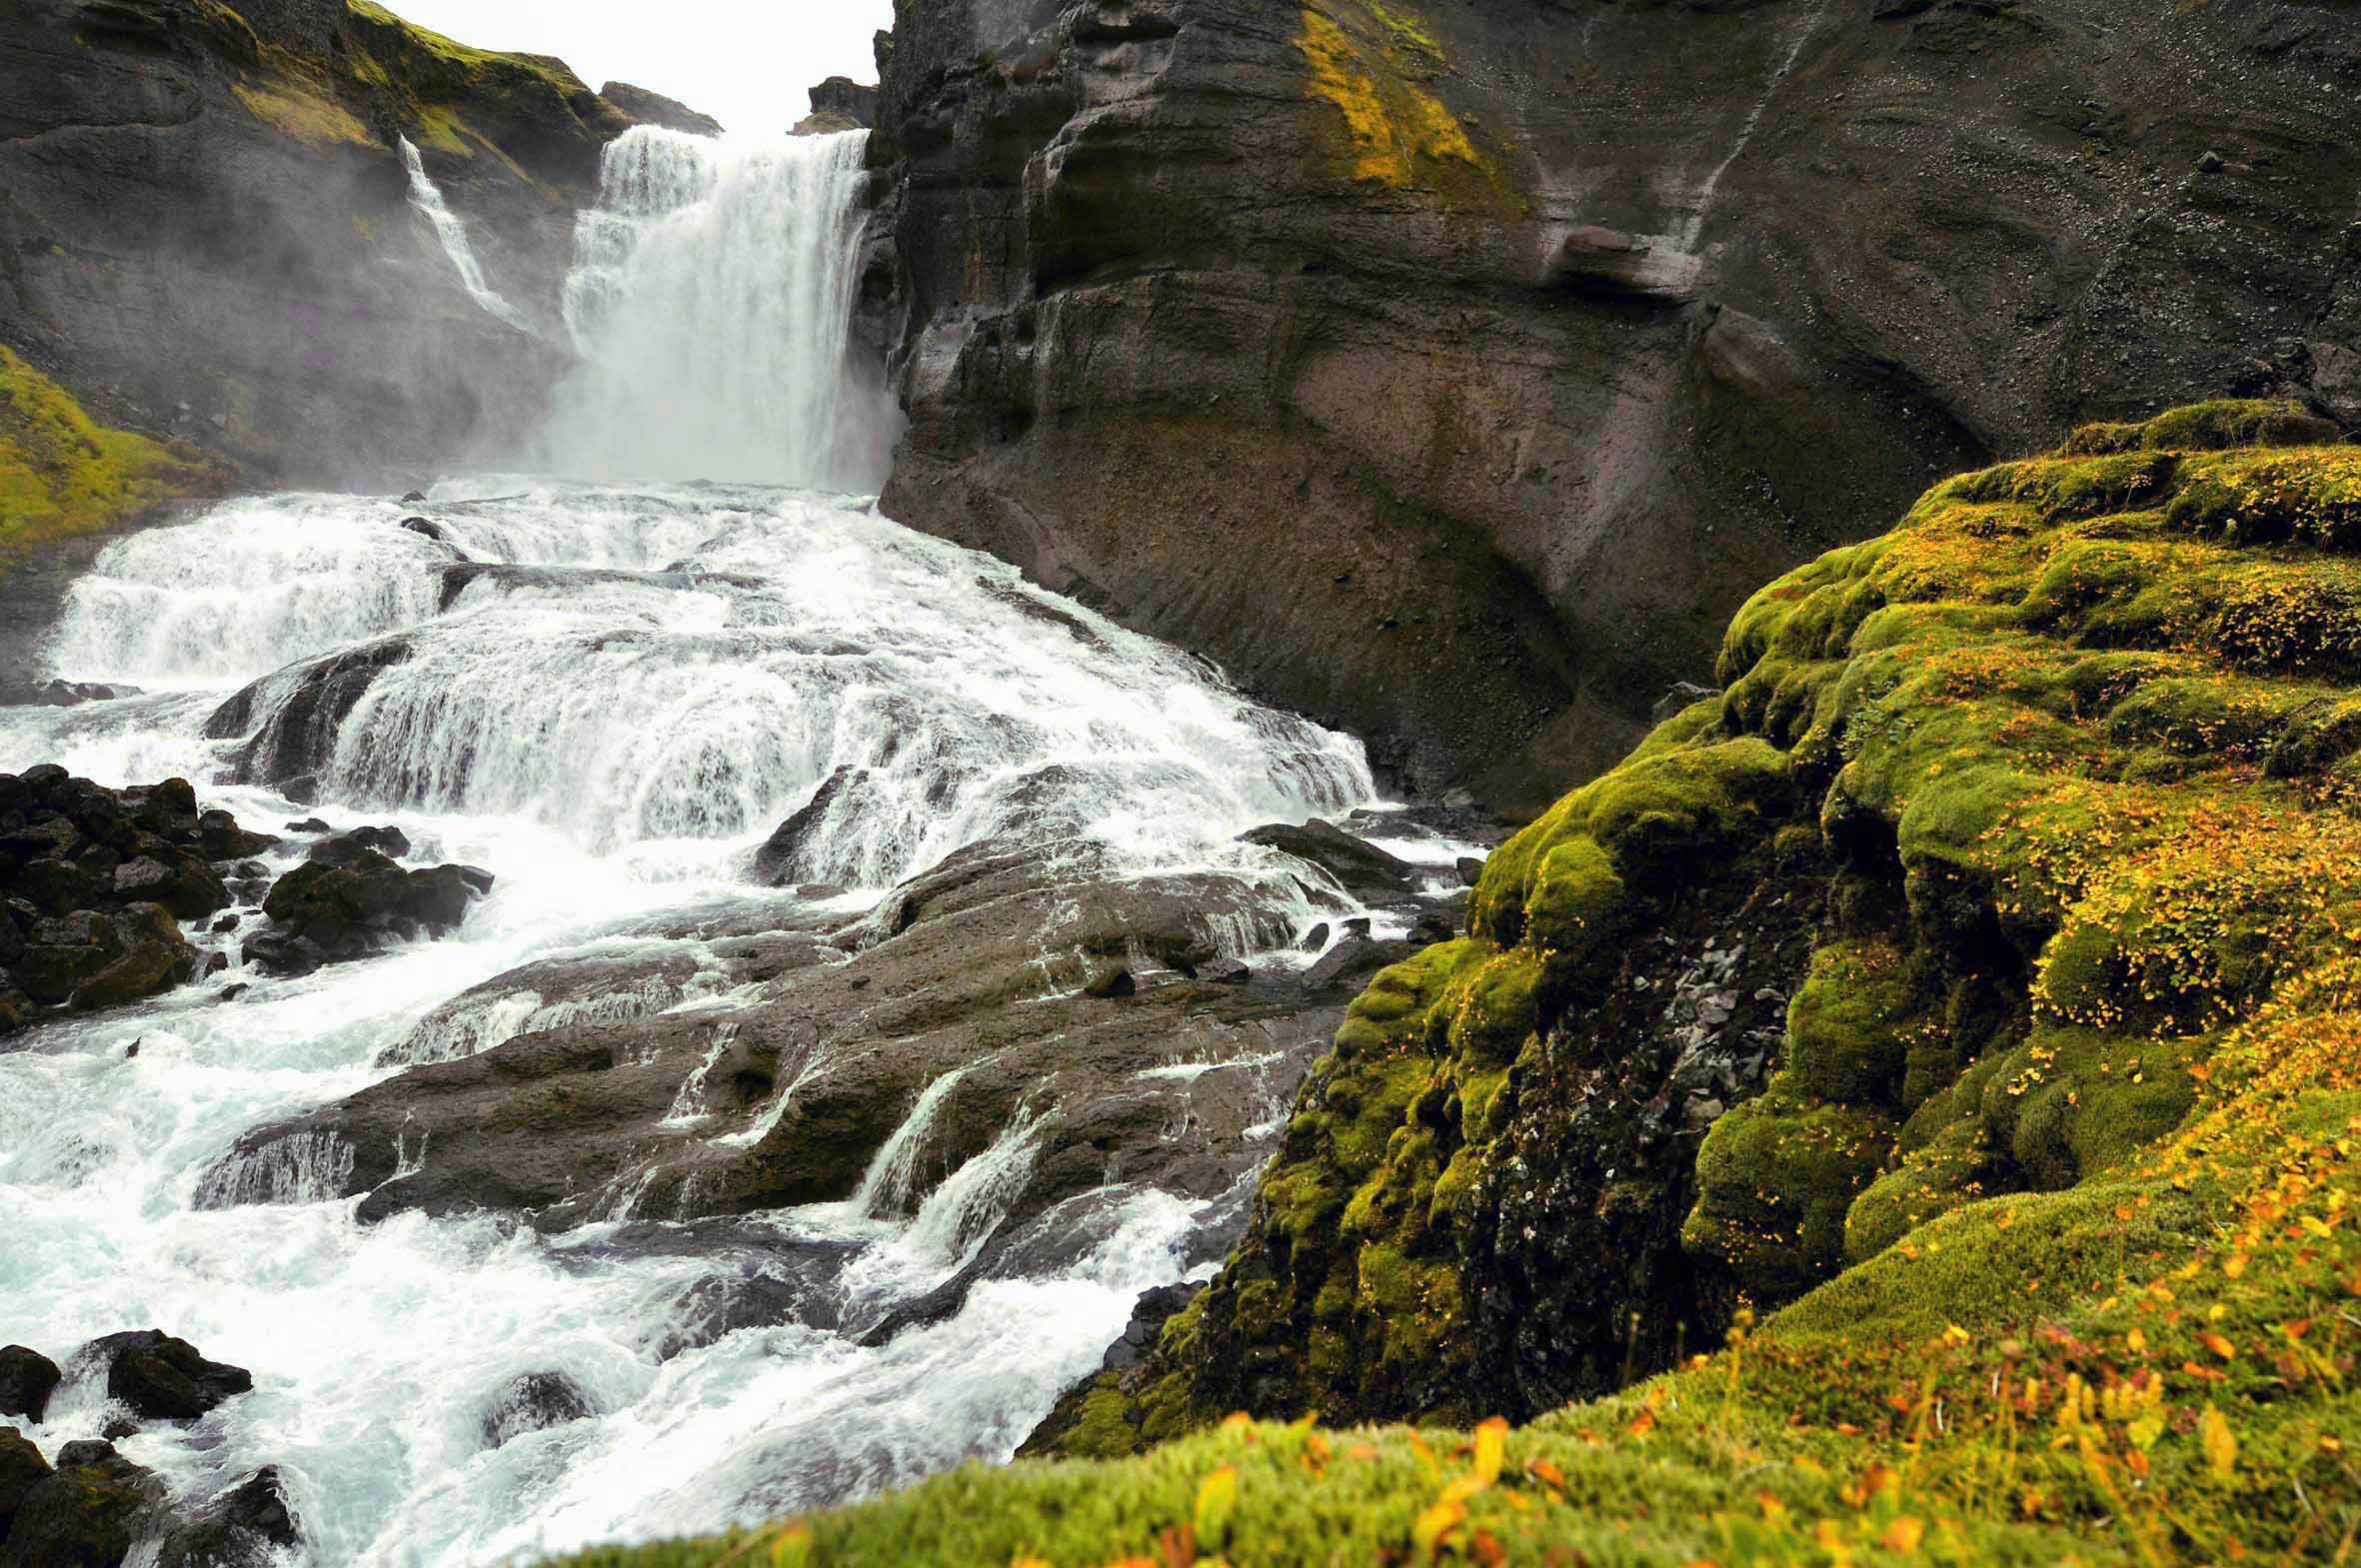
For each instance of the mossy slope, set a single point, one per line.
(2057, 1168)
(62, 473)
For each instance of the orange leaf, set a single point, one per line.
(2219, 1346)
(1643, 1423)
(1904, 1535)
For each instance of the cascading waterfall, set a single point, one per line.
(427, 197)
(710, 300)
(609, 696)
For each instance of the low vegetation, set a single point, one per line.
(62, 473)
(2050, 1209)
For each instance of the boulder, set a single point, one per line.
(87, 1513)
(1360, 867)
(27, 1379)
(349, 899)
(21, 1469)
(246, 1526)
(533, 1402)
(1352, 959)
(161, 1378)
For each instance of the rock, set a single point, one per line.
(1547, 468)
(426, 528)
(566, 1119)
(534, 1402)
(650, 108)
(1360, 867)
(414, 498)
(1470, 869)
(1353, 958)
(226, 925)
(348, 900)
(60, 694)
(1314, 940)
(249, 1525)
(165, 1379)
(2210, 161)
(1428, 929)
(1224, 971)
(1357, 926)
(1111, 983)
(310, 825)
(27, 1378)
(21, 1469)
(1679, 698)
(795, 850)
(88, 1513)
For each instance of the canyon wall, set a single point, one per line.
(1450, 371)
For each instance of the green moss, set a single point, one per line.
(1776, 1178)
(62, 473)
(2060, 1165)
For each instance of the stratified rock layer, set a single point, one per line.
(1450, 372)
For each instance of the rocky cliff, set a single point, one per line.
(206, 230)
(2032, 826)
(1449, 371)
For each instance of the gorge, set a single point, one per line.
(1108, 763)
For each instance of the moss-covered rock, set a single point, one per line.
(63, 472)
(2058, 1163)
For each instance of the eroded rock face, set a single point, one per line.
(1450, 373)
(967, 984)
(247, 1526)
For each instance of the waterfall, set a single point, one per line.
(453, 233)
(710, 300)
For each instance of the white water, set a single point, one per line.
(709, 298)
(611, 746)
(428, 198)
(645, 682)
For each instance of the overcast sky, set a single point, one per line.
(745, 62)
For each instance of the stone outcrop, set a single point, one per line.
(840, 104)
(649, 108)
(1450, 372)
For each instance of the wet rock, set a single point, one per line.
(21, 1469)
(162, 1378)
(790, 855)
(1314, 940)
(970, 969)
(1226, 971)
(27, 1378)
(310, 825)
(59, 693)
(288, 720)
(246, 1526)
(1109, 984)
(1148, 1316)
(1352, 959)
(534, 1402)
(349, 899)
(1470, 870)
(1360, 867)
(87, 1513)
(426, 528)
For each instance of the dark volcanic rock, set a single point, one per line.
(21, 1469)
(650, 108)
(840, 104)
(27, 1378)
(349, 898)
(244, 1527)
(92, 884)
(1361, 867)
(582, 1119)
(1468, 438)
(87, 1514)
(533, 1402)
(161, 1378)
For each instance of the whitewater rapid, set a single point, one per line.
(611, 696)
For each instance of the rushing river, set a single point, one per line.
(608, 695)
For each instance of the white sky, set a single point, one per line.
(745, 62)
